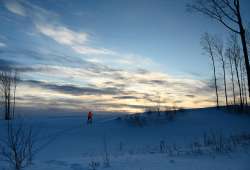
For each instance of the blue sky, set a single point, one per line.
(117, 55)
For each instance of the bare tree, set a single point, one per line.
(15, 78)
(236, 64)
(207, 44)
(230, 59)
(8, 84)
(228, 13)
(17, 148)
(218, 45)
(236, 59)
(243, 82)
(245, 87)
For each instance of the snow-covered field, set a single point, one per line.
(202, 139)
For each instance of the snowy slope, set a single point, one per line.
(69, 143)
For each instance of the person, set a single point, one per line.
(90, 117)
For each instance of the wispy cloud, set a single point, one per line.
(62, 34)
(2, 45)
(48, 24)
(15, 7)
(78, 41)
(72, 89)
(25, 8)
(89, 50)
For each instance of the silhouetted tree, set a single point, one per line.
(17, 147)
(228, 13)
(243, 83)
(8, 83)
(207, 44)
(218, 45)
(230, 59)
(236, 59)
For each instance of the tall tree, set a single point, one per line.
(236, 65)
(228, 13)
(218, 45)
(236, 59)
(242, 80)
(207, 44)
(8, 82)
(230, 59)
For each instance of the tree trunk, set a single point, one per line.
(232, 78)
(242, 82)
(225, 83)
(238, 79)
(244, 45)
(246, 61)
(215, 84)
(14, 96)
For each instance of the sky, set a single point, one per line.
(112, 55)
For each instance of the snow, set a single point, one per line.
(68, 143)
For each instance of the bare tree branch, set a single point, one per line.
(223, 11)
(228, 4)
(215, 10)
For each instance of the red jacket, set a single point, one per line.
(90, 115)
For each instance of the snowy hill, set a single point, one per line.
(201, 139)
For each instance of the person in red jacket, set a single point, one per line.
(90, 117)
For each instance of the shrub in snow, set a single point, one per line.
(93, 165)
(211, 142)
(162, 146)
(119, 118)
(120, 146)
(217, 142)
(136, 120)
(106, 155)
(170, 114)
(196, 148)
(17, 148)
(172, 161)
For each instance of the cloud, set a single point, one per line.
(72, 89)
(100, 105)
(154, 82)
(47, 23)
(112, 89)
(62, 34)
(89, 50)
(75, 40)
(6, 65)
(126, 97)
(26, 9)
(135, 59)
(122, 88)
(190, 95)
(2, 45)
(15, 7)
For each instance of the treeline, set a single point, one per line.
(235, 54)
(227, 60)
